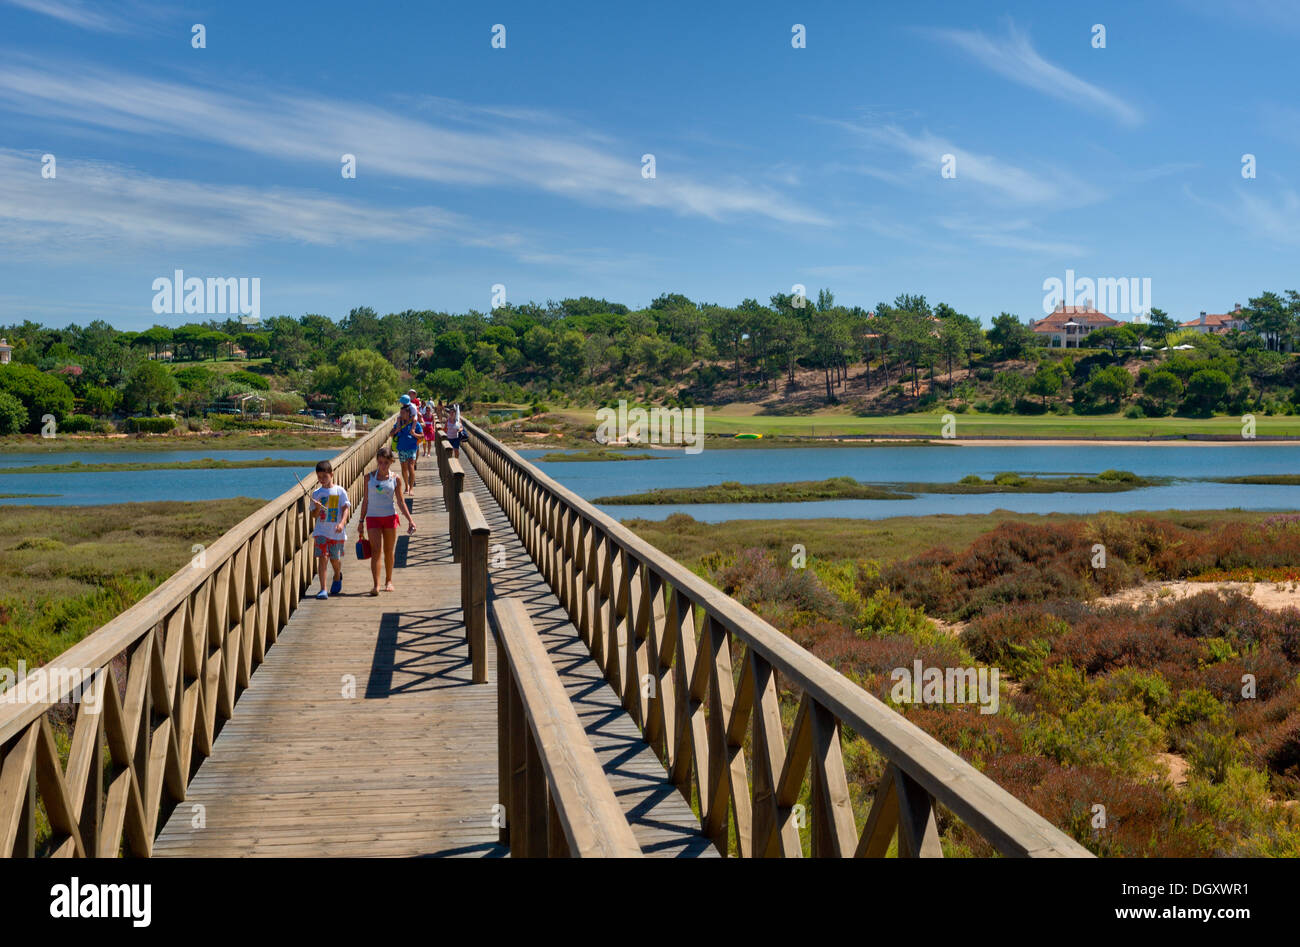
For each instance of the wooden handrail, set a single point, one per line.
(636, 609)
(160, 677)
(557, 799)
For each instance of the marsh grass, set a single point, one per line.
(242, 440)
(1096, 695)
(66, 570)
(846, 488)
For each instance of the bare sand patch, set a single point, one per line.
(1273, 595)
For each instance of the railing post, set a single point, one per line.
(505, 726)
(455, 485)
(474, 533)
(444, 472)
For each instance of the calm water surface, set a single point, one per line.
(944, 464)
(85, 489)
(754, 465)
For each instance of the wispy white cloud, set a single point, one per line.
(1272, 215)
(92, 204)
(120, 17)
(1009, 235)
(465, 146)
(98, 209)
(1015, 58)
(996, 179)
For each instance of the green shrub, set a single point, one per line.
(248, 378)
(13, 416)
(1118, 476)
(1211, 749)
(971, 479)
(39, 393)
(79, 423)
(230, 422)
(1148, 688)
(285, 402)
(1194, 705)
(149, 425)
(1009, 479)
(1114, 735)
(195, 377)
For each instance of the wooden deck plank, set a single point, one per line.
(407, 767)
(661, 819)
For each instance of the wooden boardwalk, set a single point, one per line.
(404, 763)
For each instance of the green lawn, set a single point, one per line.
(832, 422)
(222, 365)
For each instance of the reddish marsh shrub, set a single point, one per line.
(756, 580)
(1013, 563)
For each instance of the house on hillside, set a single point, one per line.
(6, 352)
(1218, 323)
(1067, 326)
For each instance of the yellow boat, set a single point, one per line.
(748, 437)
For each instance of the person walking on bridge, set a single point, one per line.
(383, 498)
(455, 431)
(408, 431)
(429, 420)
(332, 508)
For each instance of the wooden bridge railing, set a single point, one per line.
(149, 688)
(556, 798)
(472, 531)
(666, 639)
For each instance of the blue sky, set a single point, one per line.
(522, 166)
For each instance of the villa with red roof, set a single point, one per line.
(1066, 326)
(1217, 323)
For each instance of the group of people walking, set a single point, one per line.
(385, 490)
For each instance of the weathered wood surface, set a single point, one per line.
(408, 766)
(698, 672)
(568, 806)
(661, 820)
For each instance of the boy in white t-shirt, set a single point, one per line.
(332, 508)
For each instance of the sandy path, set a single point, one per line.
(1275, 595)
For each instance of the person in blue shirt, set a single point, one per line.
(407, 431)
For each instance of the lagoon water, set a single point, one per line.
(945, 463)
(92, 489)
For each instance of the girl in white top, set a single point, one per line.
(380, 506)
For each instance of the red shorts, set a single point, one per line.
(383, 522)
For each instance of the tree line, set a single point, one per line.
(590, 350)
